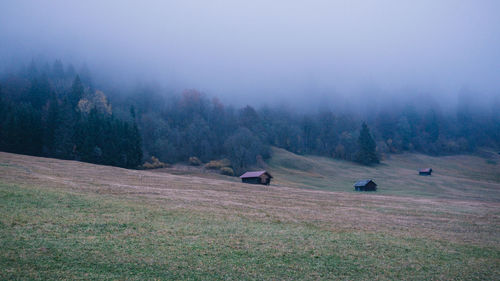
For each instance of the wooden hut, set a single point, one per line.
(425, 172)
(365, 185)
(257, 177)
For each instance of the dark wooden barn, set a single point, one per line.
(365, 185)
(425, 172)
(257, 177)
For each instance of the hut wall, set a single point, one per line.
(257, 180)
(369, 187)
(251, 180)
(265, 179)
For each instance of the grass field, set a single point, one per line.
(455, 177)
(71, 220)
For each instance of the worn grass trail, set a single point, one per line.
(71, 220)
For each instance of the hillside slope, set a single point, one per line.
(457, 177)
(72, 220)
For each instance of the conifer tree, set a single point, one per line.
(4, 113)
(32, 71)
(76, 91)
(64, 132)
(58, 70)
(366, 154)
(135, 157)
(39, 92)
(51, 125)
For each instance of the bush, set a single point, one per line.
(154, 164)
(218, 164)
(227, 171)
(194, 161)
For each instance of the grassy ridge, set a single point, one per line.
(51, 233)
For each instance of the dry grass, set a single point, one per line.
(462, 177)
(463, 220)
(255, 232)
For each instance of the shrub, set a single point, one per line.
(154, 164)
(194, 161)
(227, 171)
(218, 164)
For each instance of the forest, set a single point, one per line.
(53, 110)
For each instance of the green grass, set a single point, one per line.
(454, 177)
(58, 234)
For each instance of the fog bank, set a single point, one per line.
(295, 52)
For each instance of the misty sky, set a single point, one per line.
(258, 50)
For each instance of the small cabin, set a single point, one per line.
(257, 177)
(425, 172)
(365, 185)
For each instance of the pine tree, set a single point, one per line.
(404, 132)
(366, 154)
(32, 71)
(70, 71)
(87, 133)
(39, 92)
(23, 130)
(135, 157)
(431, 124)
(64, 132)
(4, 113)
(51, 125)
(58, 70)
(76, 92)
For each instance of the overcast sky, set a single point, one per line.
(258, 50)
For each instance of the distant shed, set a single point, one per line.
(257, 177)
(365, 185)
(425, 172)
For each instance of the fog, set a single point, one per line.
(294, 52)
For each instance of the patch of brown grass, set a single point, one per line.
(459, 220)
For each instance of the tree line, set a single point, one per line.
(52, 111)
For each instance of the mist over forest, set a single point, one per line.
(250, 140)
(119, 82)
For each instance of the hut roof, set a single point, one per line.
(364, 182)
(426, 170)
(254, 174)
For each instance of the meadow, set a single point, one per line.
(455, 177)
(72, 220)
